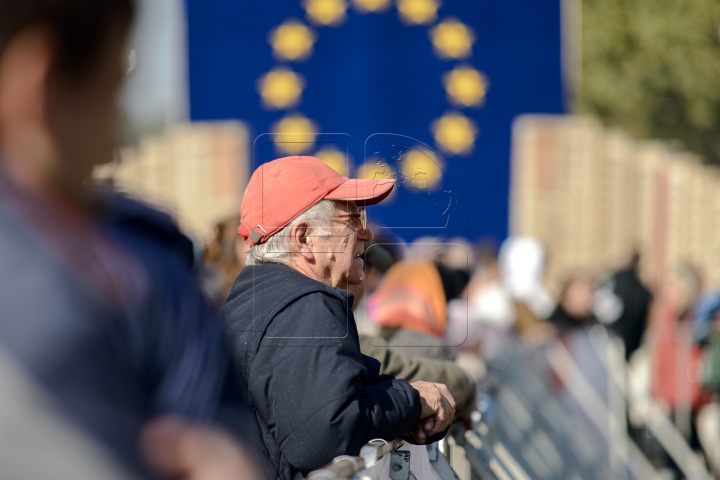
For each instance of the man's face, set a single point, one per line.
(338, 254)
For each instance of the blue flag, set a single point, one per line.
(422, 91)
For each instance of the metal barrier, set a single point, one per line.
(347, 467)
(560, 411)
(659, 424)
(554, 411)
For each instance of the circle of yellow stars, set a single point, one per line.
(293, 41)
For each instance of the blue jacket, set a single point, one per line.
(316, 396)
(103, 313)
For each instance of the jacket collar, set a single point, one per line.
(271, 271)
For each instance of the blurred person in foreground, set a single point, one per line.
(290, 316)
(98, 306)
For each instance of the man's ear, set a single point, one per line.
(301, 239)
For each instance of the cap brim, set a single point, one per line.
(363, 192)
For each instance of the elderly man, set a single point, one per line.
(291, 320)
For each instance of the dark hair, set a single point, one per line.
(81, 27)
(453, 281)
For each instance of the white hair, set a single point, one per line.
(279, 249)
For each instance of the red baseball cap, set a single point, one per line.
(279, 191)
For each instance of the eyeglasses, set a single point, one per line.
(361, 215)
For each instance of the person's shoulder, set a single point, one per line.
(263, 292)
(76, 271)
(279, 273)
(319, 314)
(323, 298)
(280, 284)
(141, 227)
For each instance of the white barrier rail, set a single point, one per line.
(399, 465)
(346, 466)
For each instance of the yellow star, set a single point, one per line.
(294, 134)
(455, 133)
(422, 169)
(325, 12)
(280, 88)
(418, 12)
(292, 40)
(465, 86)
(378, 169)
(366, 6)
(375, 169)
(334, 158)
(452, 39)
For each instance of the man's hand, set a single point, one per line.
(438, 409)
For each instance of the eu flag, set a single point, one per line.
(423, 91)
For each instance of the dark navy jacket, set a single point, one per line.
(104, 315)
(316, 396)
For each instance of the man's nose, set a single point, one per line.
(365, 235)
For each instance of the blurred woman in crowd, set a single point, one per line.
(411, 305)
(576, 303)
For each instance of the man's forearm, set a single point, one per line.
(461, 385)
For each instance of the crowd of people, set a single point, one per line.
(462, 305)
(293, 335)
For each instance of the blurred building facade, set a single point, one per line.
(593, 196)
(196, 171)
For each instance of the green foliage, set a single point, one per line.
(652, 67)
